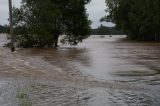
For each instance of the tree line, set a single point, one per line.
(4, 29)
(40, 23)
(139, 19)
(104, 30)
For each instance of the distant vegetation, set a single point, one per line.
(3, 29)
(40, 23)
(139, 19)
(103, 30)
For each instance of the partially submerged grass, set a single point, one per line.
(23, 98)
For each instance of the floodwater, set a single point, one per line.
(3, 39)
(101, 71)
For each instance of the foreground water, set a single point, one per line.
(99, 71)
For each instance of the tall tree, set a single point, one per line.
(42, 22)
(140, 19)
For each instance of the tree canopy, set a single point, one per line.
(40, 23)
(140, 19)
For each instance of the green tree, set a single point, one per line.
(4, 29)
(104, 30)
(140, 19)
(40, 23)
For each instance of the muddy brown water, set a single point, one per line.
(98, 72)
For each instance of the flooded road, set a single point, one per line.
(100, 71)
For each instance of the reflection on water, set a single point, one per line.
(109, 59)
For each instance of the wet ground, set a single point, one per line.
(98, 72)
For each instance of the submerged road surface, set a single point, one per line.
(98, 72)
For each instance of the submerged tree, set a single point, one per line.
(140, 19)
(40, 23)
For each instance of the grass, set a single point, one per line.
(23, 99)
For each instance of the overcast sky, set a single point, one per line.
(96, 10)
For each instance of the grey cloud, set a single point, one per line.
(96, 10)
(4, 10)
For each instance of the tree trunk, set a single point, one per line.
(11, 26)
(56, 40)
(155, 36)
